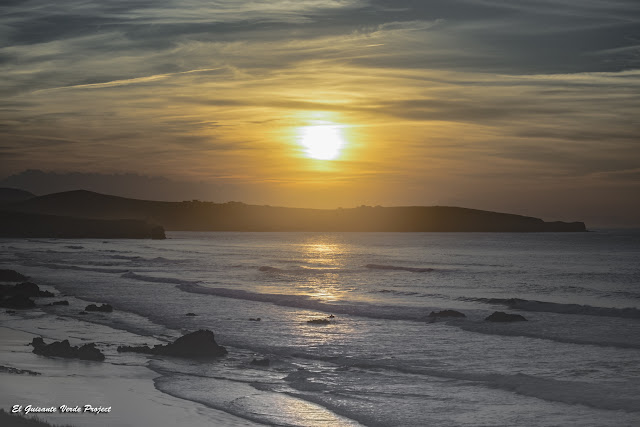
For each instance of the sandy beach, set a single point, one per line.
(126, 391)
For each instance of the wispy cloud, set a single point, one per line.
(125, 82)
(438, 97)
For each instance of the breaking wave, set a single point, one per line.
(570, 392)
(152, 279)
(552, 307)
(303, 301)
(397, 267)
(75, 267)
(618, 340)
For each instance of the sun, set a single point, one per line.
(322, 142)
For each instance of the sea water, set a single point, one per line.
(381, 360)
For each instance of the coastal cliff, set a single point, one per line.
(234, 216)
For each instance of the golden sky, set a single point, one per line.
(525, 107)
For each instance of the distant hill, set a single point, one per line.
(20, 224)
(10, 195)
(235, 216)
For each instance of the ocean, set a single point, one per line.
(381, 360)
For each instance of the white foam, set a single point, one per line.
(599, 396)
(154, 279)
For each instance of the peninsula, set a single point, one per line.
(235, 216)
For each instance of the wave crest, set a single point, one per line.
(304, 301)
(152, 279)
(398, 267)
(552, 307)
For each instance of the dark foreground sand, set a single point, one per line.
(13, 420)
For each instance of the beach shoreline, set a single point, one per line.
(123, 389)
(377, 361)
(126, 392)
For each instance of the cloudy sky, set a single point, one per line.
(523, 106)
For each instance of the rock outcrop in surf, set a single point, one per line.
(11, 276)
(446, 313)
(26, 289)
(500, 316)
(18, 302)
(196, 345)
(66, 350)
(19, 296)
(104, 308)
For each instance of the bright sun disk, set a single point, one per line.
(322, 142)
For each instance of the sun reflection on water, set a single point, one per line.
(327, 250)
(327, 258)
(288, 410)
(329, 293)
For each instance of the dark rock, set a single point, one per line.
(135, 349)
(10, 311)
(37, 342)
(11, 276)
(190, 314)
(255, 319)
(66, 350)
(90, 352)
(26, 289)
(19, 302)
(83, 313)
(196, 345)
(65, 302)
(105, 308)
(318, 321)
(446, 313)
(261, 362)
(499, 316)
(331, 316)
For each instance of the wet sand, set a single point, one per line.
(127, 390)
